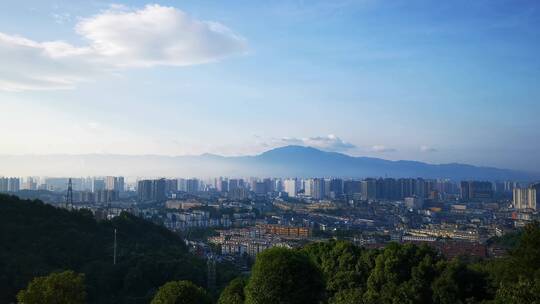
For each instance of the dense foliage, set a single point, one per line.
(284, 276)
(181, 292)
(57, 288)
(396, 274)
(37, 239)
(234, 292)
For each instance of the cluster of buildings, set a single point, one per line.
(59, 184)
(527, 198)
(253, 240)
(9, 184)
(253, 214)
(193, 219)
(311, 188)
(151, 190)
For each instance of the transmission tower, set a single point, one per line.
(69, 195)
(211, 275)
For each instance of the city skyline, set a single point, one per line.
(438, 83)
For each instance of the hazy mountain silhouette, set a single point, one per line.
(285, 161)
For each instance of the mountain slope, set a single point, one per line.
(280, 162)
(36, 239)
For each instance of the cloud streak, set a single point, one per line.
(329, 142)
(117, 38)
(381, 149)
(427, 149)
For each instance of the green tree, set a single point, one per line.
(402, 273)
(459, 283)
(284, 276)
(233, 293)
(181, 292)
(516, 278)
(348, 296)
(57, 288)
(523, 291)
(344, 265)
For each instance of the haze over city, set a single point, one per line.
(414, 80)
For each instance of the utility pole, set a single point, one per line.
(114, 254)
(211, 273)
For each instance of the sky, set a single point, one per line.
(434, 81)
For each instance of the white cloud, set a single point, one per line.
(30, 65)
(116, 38)
(427, 149)
(381, 148)
(329, 142)
(158, 35)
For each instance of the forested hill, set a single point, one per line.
(37, 239)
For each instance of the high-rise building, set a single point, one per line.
(171, 186)
(447, 187)
(308, 187)
(476, 190)
(269, 185)
(4, 184)
(221, 184)
(420, 188)
(259, 187)
(120, 184)
(98, 185)
(351, 187)
(10, 184)
(159, 187)
(192, 185)
(369, 189)
(318, 189)
(110, 183)
(291, 186)
(279, 187)
(238, 194)
(144, 190)
(182, 184)
(30, 184)
(536, 187)
(390, 191)
(407, 187)
(14, 184)
(151, 190)
(234, 184)
(525, 198)
(114, 183)
(336, 187)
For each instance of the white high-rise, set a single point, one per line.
(291, 187)
(525, 198)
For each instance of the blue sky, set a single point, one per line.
(453, 81)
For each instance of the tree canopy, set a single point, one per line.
(284, 276)
(399, 273)
(233, 293)
(181, 292)
(57, 288)
(37, 239)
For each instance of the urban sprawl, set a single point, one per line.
(236, 218)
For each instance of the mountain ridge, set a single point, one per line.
(286, 161)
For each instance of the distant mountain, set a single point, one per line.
(286, 161)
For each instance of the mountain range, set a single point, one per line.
(288, 161)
